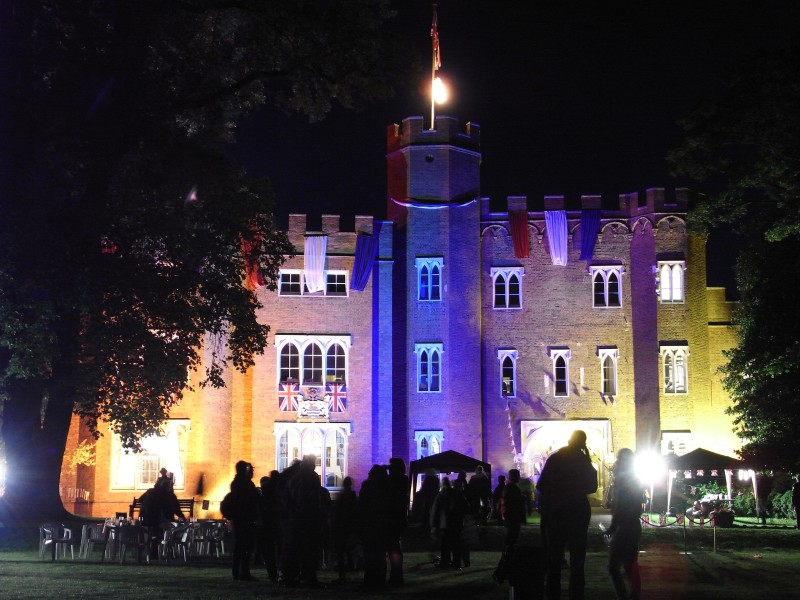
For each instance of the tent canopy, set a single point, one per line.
(448, 461)
(700, 458)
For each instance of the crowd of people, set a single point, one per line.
(291, 526)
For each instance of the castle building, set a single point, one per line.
(453, 327)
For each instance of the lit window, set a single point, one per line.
(428, 442)
(669, 281)
(676, 376)
(608, 370)
(561, 357)
(429, 358)
(429, 279)
(607, 285)
(508, 372)
(324, 359)
(507, 282)
(139, 471)
(326, 441)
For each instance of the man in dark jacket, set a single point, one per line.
(245, 502)
(566, 479)
(398, 517)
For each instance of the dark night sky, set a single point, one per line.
(576, 98)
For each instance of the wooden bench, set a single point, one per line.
(186, 504)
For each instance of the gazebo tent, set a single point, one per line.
(448, 461)
(704, 460)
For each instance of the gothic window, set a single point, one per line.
(508, 372)
(428, 442)
(336, 364)
(676, 375)
(312, 364)
(670, 282)
(324, 358)
(606, 286)
(608, 370)
(429, 358)
(560, 358)
(429, 279)
(328, 442)
(507, 283)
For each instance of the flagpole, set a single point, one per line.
(434, 64)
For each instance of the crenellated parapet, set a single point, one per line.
(448, 130)
(339, 242)
(653, 210)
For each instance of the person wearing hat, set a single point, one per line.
(566, 479)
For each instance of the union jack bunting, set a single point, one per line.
(337, 397)
(288, 396)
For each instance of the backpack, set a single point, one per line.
(228, 506)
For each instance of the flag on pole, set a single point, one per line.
(437, 56)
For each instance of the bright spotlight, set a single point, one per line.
(440, 94)
(649, 467)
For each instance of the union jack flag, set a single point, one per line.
(337, 397)
(288, 395)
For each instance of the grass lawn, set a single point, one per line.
(747, 563)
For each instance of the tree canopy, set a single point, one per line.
(127, 232)
(746, 149)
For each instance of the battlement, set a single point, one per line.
(652, 201)
(446, 131)
(342, 243)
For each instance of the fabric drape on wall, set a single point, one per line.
(590, 227)
(518, 222)
(556, 223)
(366, 251)
(253, 277)
(314, 266)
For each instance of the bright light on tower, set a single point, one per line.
(440, 94)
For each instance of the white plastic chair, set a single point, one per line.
(57, 537)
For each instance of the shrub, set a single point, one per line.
(744, 504)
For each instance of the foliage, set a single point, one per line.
(744, 504)
(781, 503)
(748, 146)
(127, 231)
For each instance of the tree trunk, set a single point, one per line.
(34, 452)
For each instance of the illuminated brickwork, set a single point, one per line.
(613, 349)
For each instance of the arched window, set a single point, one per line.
(670, 281)
(428, 367)
(289, 363)
(507, 283)
(676, 377)
(508, 372)
(606, 285)
(312, 364)
(608, 370)
(436, 282)
(560, 357)
(424, 283)
(336, 367)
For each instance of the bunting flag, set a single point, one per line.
(288, 396)
(518, 223)
(337, 397)
(556, 223)
(590, 227)
(437, 56)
